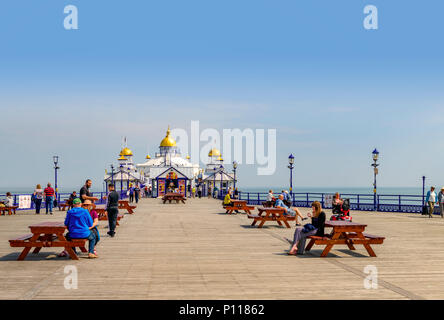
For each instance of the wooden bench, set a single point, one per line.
(124, 204)
(11, 210)
(345, 233)
(268, 204)
(271, 214)
(47, 234)
(64, 205)
(173, 197)
(238, 205)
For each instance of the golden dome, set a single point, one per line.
(122, 158)
(148, 156)
(214, 153)
(220, 159)
(125, 152)
(188, 157)
(168, 141)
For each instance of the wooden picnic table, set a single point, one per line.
(239, 205)
(103, 215)
(173, 196)
(63, 205)
(124, 204)
(10, 210)
(348, 233)
(47, 234)
(271, 214)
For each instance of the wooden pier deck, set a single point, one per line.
(195, 251)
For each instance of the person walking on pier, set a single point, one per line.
(49, 198)
(137, 193)
(38, 198)
(431, 199)
(112, 209)
(131, 194)
(441, 202)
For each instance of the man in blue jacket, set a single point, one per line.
(79, 223)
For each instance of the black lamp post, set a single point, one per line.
(375, 165)
(234, 170)
(128, 177)
(121, 180)
(56, 167)
(112, 174)
(291, 167)
(423, 190)
(221, 175)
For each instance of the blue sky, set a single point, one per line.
(309, 69)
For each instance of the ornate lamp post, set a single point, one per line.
(291, 167)
(423, 190)
(112, 174)
(221, 175)
(375, 165)
(121, 180)
(234, 170)
(56, 167)
(214, 182)
(127, 176)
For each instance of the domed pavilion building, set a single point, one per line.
(168, 169)
(215, 175)
(125, 173)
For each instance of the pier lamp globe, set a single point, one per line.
(375, 154)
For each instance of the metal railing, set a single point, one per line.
(61, 198)
(363, 202)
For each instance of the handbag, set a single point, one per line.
(55, 203)
(308, 227)
(425, 210)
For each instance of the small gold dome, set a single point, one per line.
(168, 141)
(126, 152)
(214, 153)
(188, 157)
(220, 159)
(122, 158)
(148, 157)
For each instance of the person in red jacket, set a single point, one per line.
(49, 198)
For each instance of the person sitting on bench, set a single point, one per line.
(227, 201)
(79, 224)
(294, 212)
(340, 208)
(9, 202)
(315, 228)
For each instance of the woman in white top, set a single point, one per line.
(9, 202)
(38, 197)
(270, 196)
